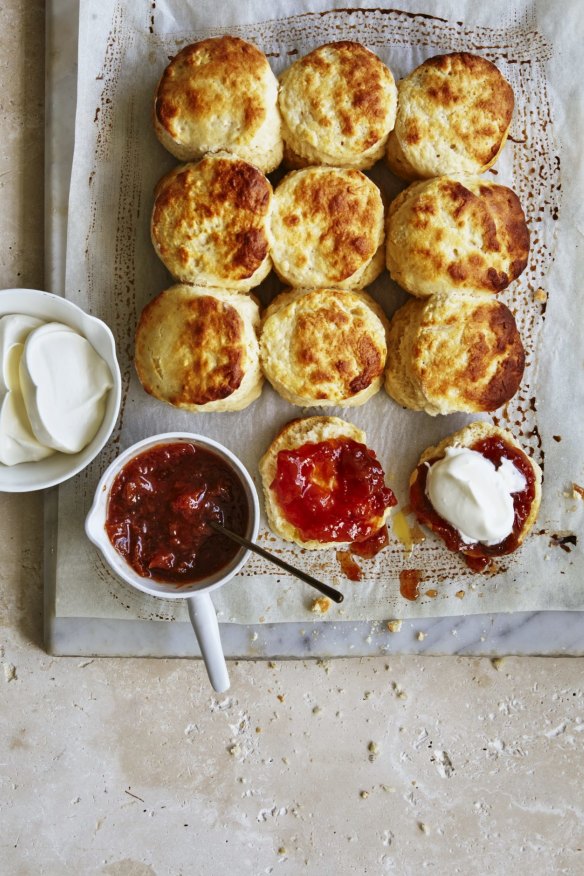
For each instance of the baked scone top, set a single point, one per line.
(324, 346)
(454, 352)
(209, 223)
(326, 226)
(457, 232)
(338, 105)
(218, 94)
(453, 116)
(196, 348)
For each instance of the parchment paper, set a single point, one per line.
(112, 271)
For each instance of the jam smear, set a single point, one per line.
(349, 567)
(159, 508)
(372, 545)
(332, 490)
(409, 583)
(478, 556)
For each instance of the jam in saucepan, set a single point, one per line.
(333, 491)
(478, 556)
(159, 508)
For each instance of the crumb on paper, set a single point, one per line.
(540, 295)
(373, 749)
(10, 672)
(363, 795)
(316, 710)
(460, 594)
(394, 626)
(320, 605)
(258, 729)
(578, 491)
(367, 695)
(497, 663)
(423, 827)
(281, 697)
(399, 691)
(421, 636)
(282, 850)
(272, 665)
(235, 750)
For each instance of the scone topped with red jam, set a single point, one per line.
(478, 491)
(323, 486)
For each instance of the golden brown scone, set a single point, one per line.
(338, 105)
(297, 433)
(197, 349)
(327, 228)
(220, 94)
(453, 352)
(324, 347)
(209, 223)
(496, 444)
(456, 233)
(453, 116)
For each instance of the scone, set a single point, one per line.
(210, 220)
(323, 486)
(456, 233)
(338, 105)
(453, 116)
(324, 347)
(326, 228)
(478, 491)
(453, 352)
(220, 94)
(197, 349)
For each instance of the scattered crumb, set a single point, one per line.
(421, 636)
(316, 710)
(373, 749)
(10, 672)
(363, 795)
(423, 827)
(367, 695)
(281, 850)
(388, 789)
(234, 750)
(497, 663)
(399, 691)
(285, 761)
(258, 729)
(281, 697)
(325, 664)
(394, 626)
(578, 491)
(540, 295)
(272, 665)
(321, 605)
(460, 594)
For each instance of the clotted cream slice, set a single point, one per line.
(64, 384)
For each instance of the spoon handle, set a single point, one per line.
(333, 594)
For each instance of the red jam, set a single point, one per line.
(159, 508)
(332, 491)
(478, 556)
(409, 583)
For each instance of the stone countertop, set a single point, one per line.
(128, 767)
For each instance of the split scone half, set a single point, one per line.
(456, 233)
(327, 229)
(454, 352)
(478, 491)
(220, 94)
(338, 105)
(197, 349)
(454, 113)
(323, 486)
(324, 347)
(210, 223)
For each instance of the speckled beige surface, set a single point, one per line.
(133, 768)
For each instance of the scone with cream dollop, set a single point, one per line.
(458, 232)
(324, 346)
(454, 113)
(478, 491)
(220, 94)
(338, 105)
(323, 486)
(455, 351)
(209, 223)
(197, 349)
(327, 228)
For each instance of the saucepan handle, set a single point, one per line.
(204, 621)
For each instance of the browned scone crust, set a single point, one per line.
(327, 228)
(454, 113)
(324, 347)
(456, 233)
(453, 352)
(209, 223)
(468, 437)
(217, 94)
(338, 105)
(197, 349)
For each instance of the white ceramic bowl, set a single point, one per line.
(59, 467)
(96, 518)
